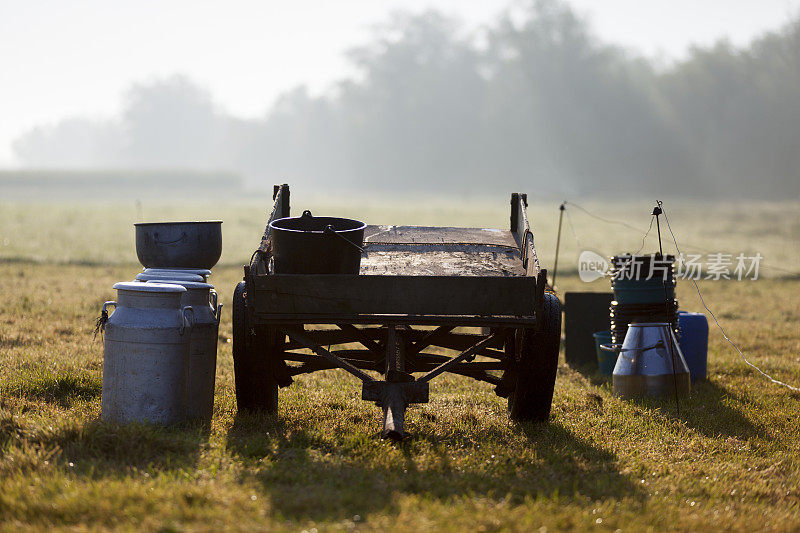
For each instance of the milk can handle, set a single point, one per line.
(100, 326)
(213, 298)
(186, 322)
(216, 305)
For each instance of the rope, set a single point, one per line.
(572, 228)
(100, 324)
(645, 235)
(725, 335)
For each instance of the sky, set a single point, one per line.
(64, 59)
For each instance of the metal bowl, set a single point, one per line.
(179, 244)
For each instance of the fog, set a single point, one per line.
(537, 102)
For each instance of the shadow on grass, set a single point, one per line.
(99, 448)
(574, 465)
(63, 391)
(593, 376)
(711, 410)
(309, 478)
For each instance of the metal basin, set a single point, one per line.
(179, 244)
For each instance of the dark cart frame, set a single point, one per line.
(417, 285)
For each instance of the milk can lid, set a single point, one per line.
(176, 276)
(164, 270)
(148, 287)
(187, 284)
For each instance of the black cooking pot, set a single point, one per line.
(316, 245)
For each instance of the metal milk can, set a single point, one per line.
(146, 354)
(650, 362)
(202, 298)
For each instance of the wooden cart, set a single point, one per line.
(478, 293)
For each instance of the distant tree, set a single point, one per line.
(569, 112)
(740, 112)
(415, 117)
(72, 142)
(537, 103)
(301, 138)
(171, 122)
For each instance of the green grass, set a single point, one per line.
(729, 461)
(102, 232)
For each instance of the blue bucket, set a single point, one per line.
(694, 342)
(605, 360)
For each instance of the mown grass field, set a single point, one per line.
(729, 461)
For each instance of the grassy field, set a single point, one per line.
(102, 232)
(729, 461)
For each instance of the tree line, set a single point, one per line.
(536, 103)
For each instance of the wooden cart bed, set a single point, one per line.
(433, 251)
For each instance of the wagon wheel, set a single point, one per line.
(535, 366)
(253, 351)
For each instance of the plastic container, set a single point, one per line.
(644, 293)
(694, 342)
(605, 359)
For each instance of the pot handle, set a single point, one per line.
(186, 322)
(618, 347)
(179, 239)
(611, 347)
(330, 231)
(307, 214)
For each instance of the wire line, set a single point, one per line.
(725, 335)
(689, 246)
(572, 228)
(608, 220)
(645, 236)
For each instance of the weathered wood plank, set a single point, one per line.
(521, 231)
(393, 295)
(437, 235)
(416, 262)
(499, 321)
(280, 209)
